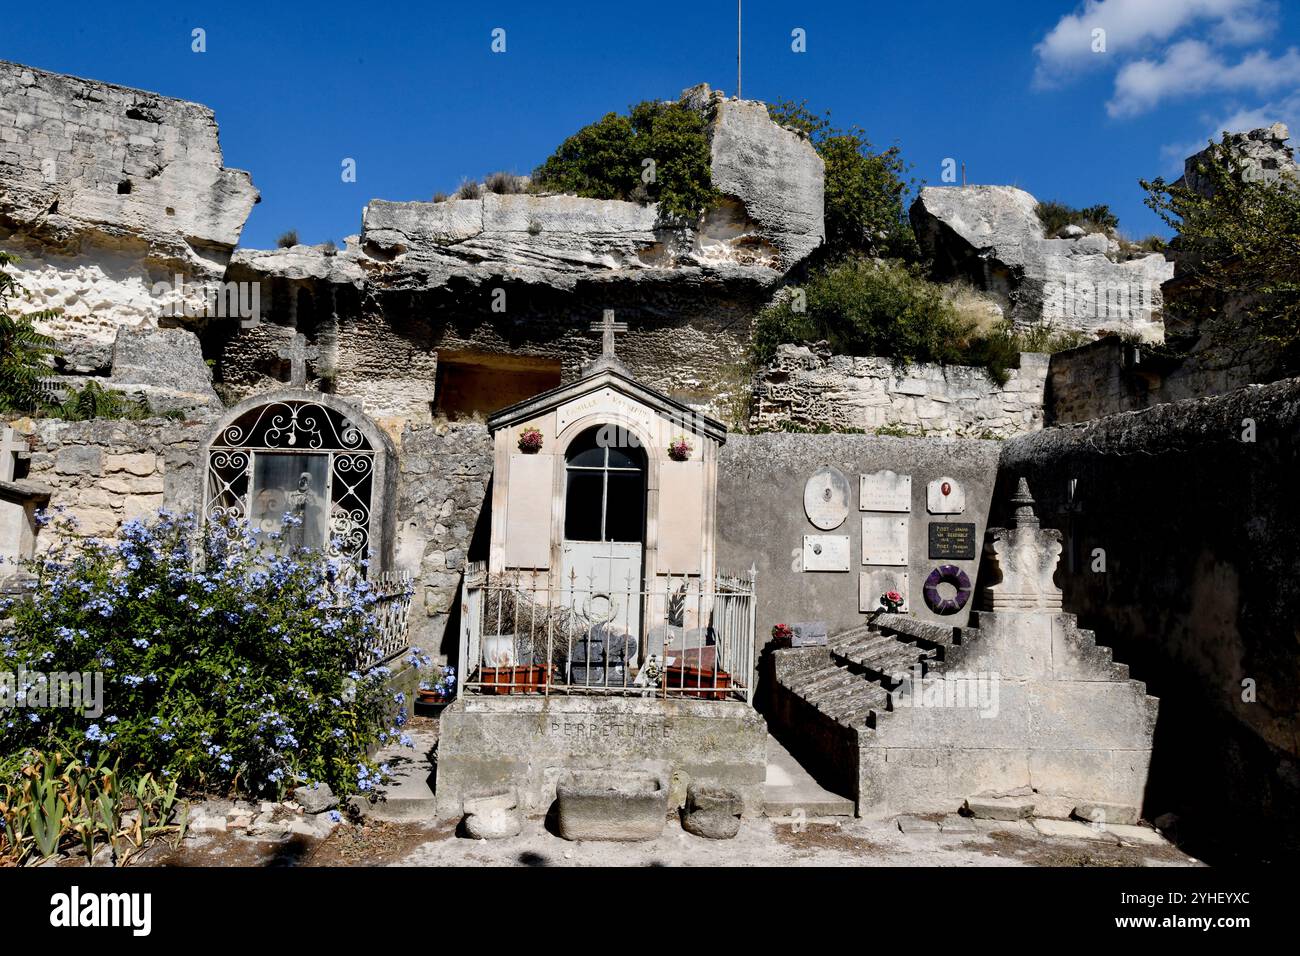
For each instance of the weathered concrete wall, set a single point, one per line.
(1191, 506)
(761, 519)
(812, 389)
(488, 744)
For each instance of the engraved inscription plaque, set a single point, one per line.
(826, 498)
(885, 491)
(826, 552)
(952, 540)
(944, 496)
(876, 581)
(884, 539)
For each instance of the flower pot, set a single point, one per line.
(696, 682)
(430, 697)
(518, 679)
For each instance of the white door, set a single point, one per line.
(602, 583)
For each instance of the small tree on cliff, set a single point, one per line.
(865, 188)
(1238, 248)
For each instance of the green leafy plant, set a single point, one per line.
(614, 157)
(25, 354)
(865, 189)
(238, 672)
(1238, 248)
(1055, 216)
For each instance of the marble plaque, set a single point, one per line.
(885, 491)
(808, 634)
(826, 552)
(884, 539)
(944, 496)
(826, 498)
(875, 582)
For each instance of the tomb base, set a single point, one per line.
(532, 744)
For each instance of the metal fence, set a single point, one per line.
(678, 636)
(392, 610)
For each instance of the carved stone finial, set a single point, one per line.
(1027, 556)
(607, 358)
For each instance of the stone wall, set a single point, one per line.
(814, 389)
(1111, 376)
(761, 519)
(1192, 507)
(442, 523)
(107, 472)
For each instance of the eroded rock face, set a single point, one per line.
(1264, 152)
(82, 159)
(991, 235)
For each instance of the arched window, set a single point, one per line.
(604, 496)
(299, 458)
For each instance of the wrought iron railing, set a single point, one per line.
(677, 636)
(392, 610)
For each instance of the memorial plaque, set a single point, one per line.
(826, 498)
(885, 491)
(952, 540)
(875, 582)
(825, 552)
(884, 539)
(808, 634)
(944, 496)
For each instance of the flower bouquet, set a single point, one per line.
(891, 602)
(679, 449)
(530, 440)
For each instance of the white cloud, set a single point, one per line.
(1129, 25)
(1190, 67)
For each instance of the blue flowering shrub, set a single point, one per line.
(227, 665)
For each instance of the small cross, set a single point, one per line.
(9, 449)
(608, 327)
(298, 352)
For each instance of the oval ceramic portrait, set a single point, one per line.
(826, 498)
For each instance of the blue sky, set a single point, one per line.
(415, 95)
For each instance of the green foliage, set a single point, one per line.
(607, 160)
(93, 401)
(237, 673)
(51, 802)
(865, 189)
(1239, 250)
(24, 353)
(864, 307)
(1056, 216)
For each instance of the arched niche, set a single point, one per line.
(307, 454)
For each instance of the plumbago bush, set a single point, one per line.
(233, 673)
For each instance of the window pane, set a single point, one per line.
(626, 506)
(626, 458)
(290, 485)
(591, 458)
(582, 506)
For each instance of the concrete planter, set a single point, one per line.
(611, 805)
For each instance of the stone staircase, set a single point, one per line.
(850, 681)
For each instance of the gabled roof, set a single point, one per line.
(613, 375)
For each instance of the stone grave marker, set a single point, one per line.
(884, 540)
(951, 540)
(876, 581)
(809, 634)
(825, 552)
(945, 496)
(885, 491)
(826, 498)
(10, 447)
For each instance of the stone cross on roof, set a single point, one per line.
(607, 359)
(9, 448)
(298, 352)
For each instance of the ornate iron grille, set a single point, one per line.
(323, 447)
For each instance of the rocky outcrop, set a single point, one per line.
(165, 366)
(992, 236)
(1263, 153)
(86, 160)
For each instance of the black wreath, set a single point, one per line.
(947, 574)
